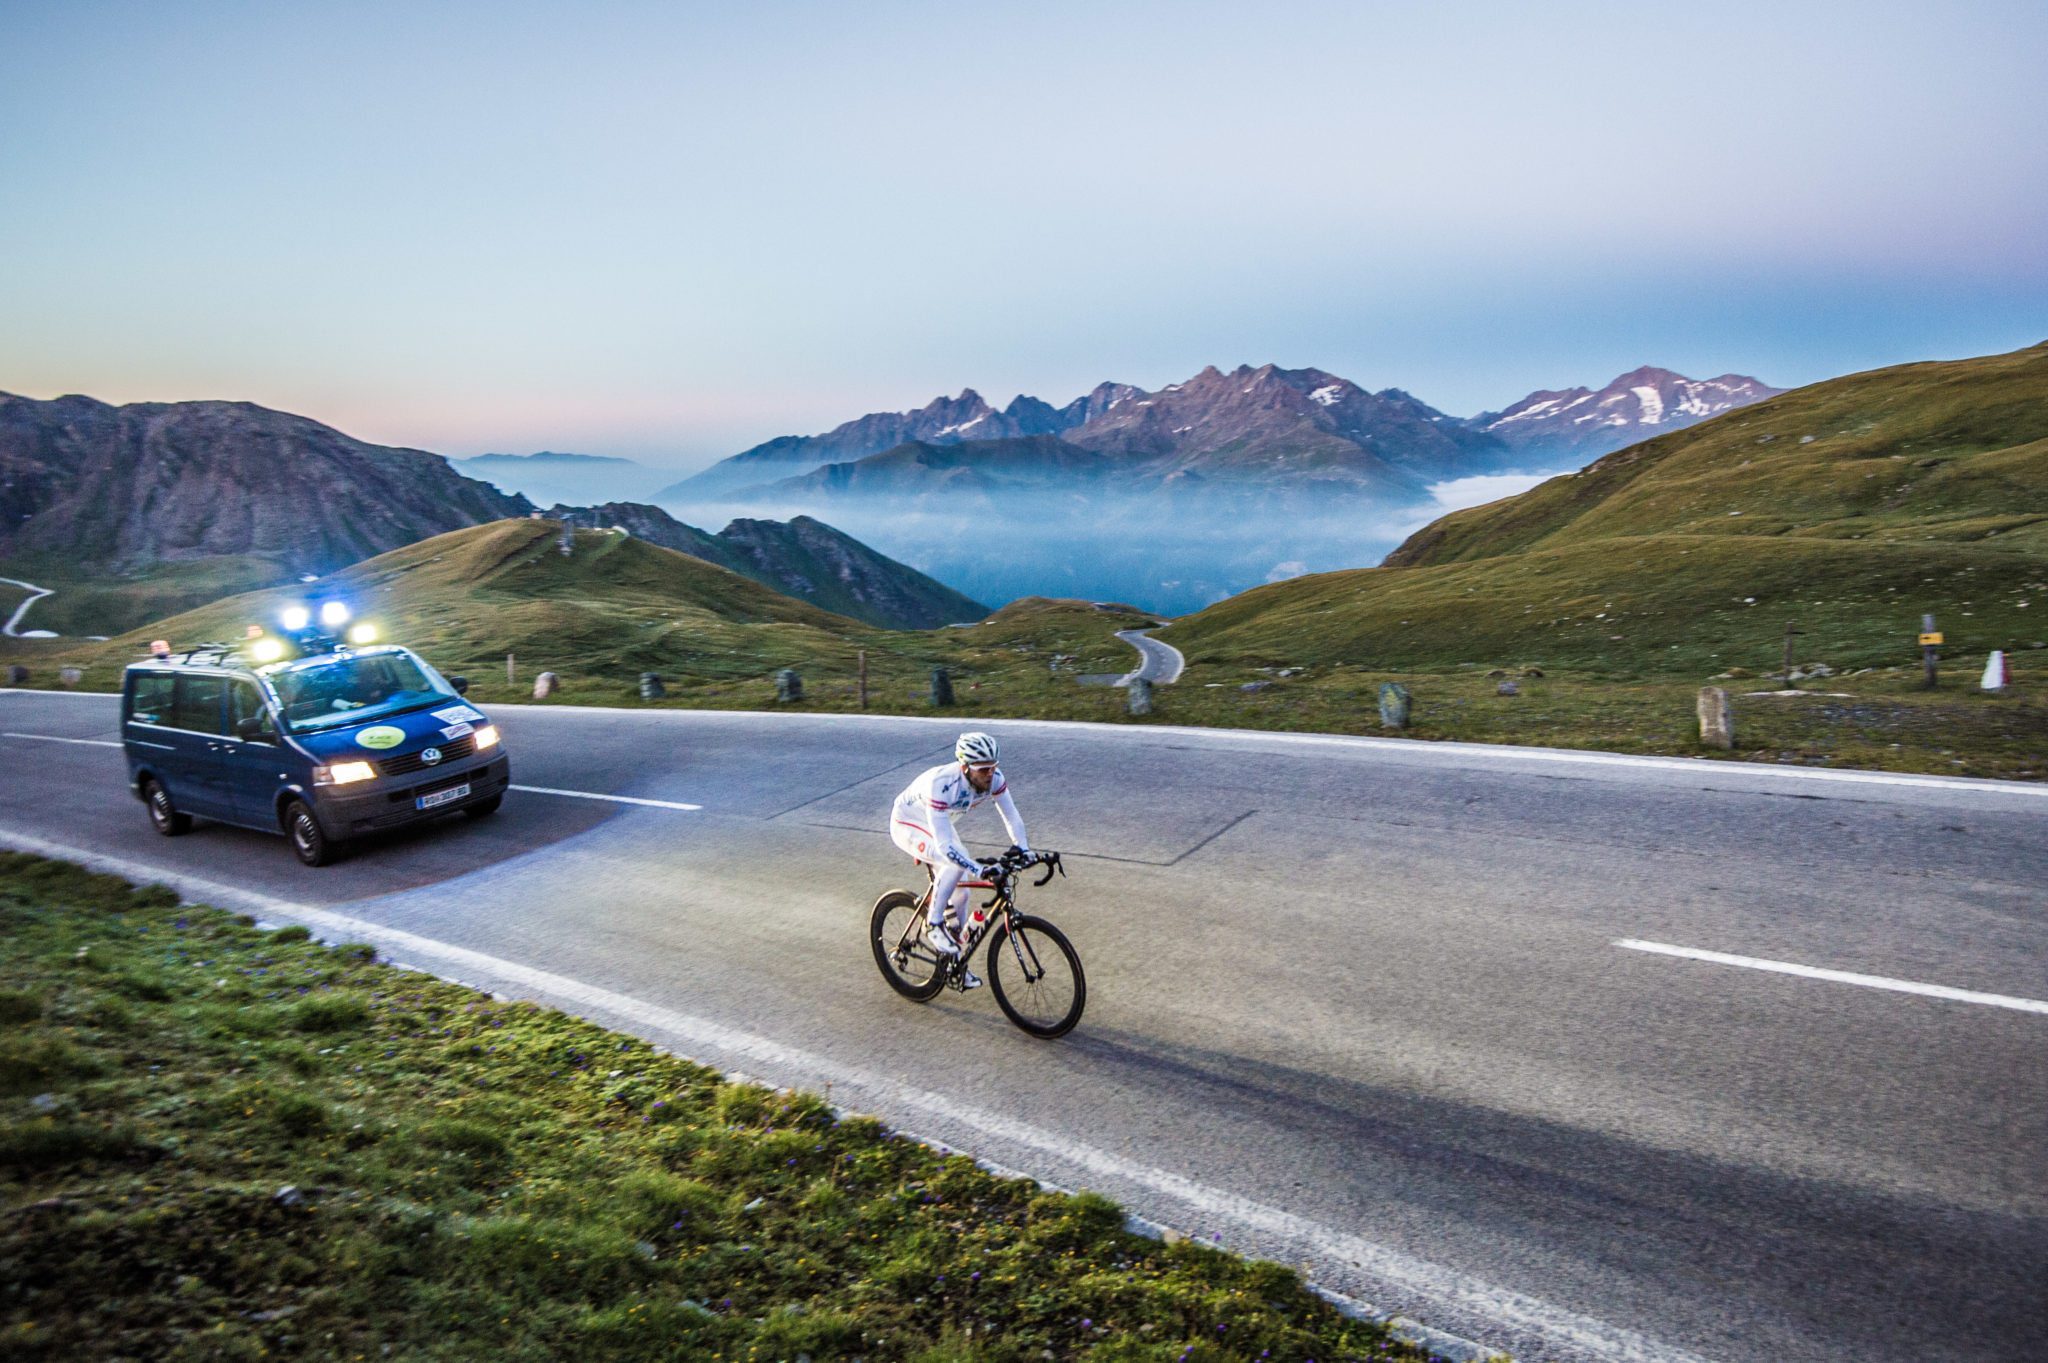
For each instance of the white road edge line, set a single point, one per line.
(1938, 991)
(1424, 748)
(1508, 1309)
(615, 799)
(1412, 747)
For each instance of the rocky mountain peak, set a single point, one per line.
(1580, 423)
(126, 488)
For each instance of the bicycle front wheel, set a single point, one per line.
(1037, 977)
(896, 932)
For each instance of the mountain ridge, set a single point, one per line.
(149, 482)
(1251, 425)
(147, 509)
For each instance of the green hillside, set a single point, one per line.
(1850, 507)
(617, 605)
(86, 604)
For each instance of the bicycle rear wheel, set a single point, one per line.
(896, 932)
(1037, 977)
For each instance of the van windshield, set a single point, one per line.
(351, 690)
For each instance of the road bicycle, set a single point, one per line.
(1031, 966)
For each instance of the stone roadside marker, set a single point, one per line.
(1717, 718)
(1394, 705)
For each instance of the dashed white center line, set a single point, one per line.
(1937, 991)
(52, 738)
(530, 790)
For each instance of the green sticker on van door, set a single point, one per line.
(381, 736)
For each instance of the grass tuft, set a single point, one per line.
(330, 1012)
(18, 1005)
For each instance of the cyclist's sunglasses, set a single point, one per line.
(981, 766)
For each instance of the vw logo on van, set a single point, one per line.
(431, 756)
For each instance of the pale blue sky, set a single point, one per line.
(669, 231)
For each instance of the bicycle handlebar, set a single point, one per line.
(1013, 861)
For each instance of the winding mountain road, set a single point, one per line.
(1408, 1014)
(12, 627)
(1159, 663)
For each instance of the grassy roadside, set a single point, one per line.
(223, 1143)
(1023, 662)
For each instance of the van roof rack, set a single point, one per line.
(201, 655)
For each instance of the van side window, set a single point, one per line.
(152, 703)
(197, 704)
(244, 702)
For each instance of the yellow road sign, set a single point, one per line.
(1930, 638)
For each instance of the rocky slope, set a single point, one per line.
(941, 421)
(943, 474)
(803, 558)
(1300, 427)
(111, 490)
(813, 562)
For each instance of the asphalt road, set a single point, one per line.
(1354, 1005)
(1158, 663)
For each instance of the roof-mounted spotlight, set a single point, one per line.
(295, 618)
(333, 614)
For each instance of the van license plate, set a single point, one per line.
(442, 797)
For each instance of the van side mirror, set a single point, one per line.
(461, 685)
(254, 729)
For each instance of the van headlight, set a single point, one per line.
(342, 773)
(487, 737)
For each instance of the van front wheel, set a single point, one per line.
(309, 841)
(163, 815)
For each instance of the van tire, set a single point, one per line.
(309, 841)
(163, 815)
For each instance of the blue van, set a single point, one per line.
(323, 748)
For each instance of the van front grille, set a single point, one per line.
(451, 751)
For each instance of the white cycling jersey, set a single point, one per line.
(922, 821)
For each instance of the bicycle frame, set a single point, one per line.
(1005, 905)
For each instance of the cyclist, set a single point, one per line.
(922, 825)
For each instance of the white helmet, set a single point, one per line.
(974, 749)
